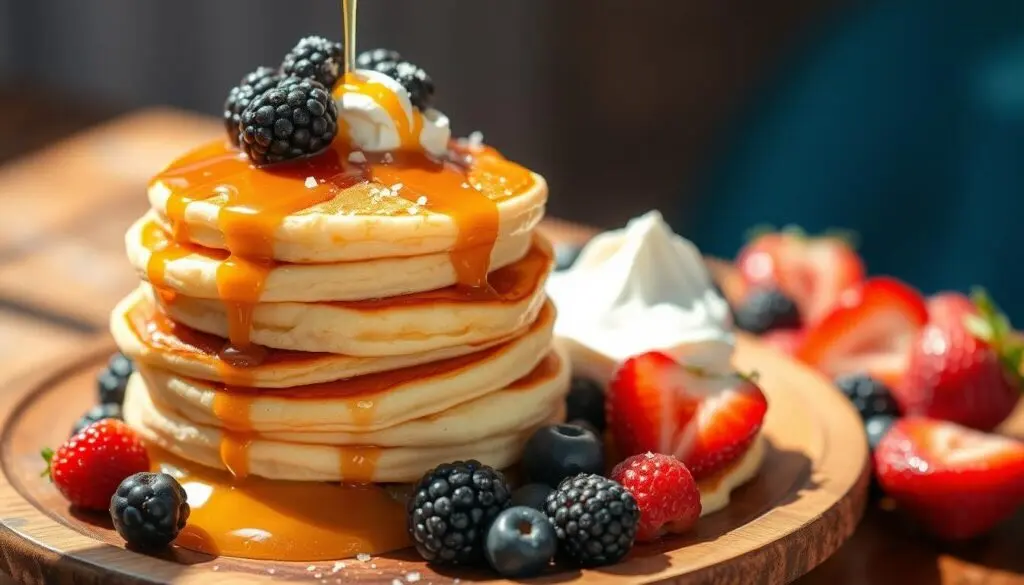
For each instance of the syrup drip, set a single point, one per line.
(283, 520)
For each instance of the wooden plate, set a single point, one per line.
(805, 502)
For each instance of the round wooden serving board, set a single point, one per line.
(806, 500)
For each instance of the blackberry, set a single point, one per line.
(239, 97)
(149, 510)
(413, 78)
(586, 401)
(767, 309)
(869, 396)
(370, 59)
(595, 519)
(315, 58)
(451, 509)
(97, 413)
(293, 119)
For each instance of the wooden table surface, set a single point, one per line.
(64, 210)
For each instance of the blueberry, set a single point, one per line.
(520, 543)
(876, 427)
(869, 396)
(120, 365)
(532, 495)
(766, 310)
(565, 255)
(586, 401)
(97, 413)
(558, 451)
(110, 387)
(585, 424)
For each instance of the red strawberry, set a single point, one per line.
(705, 420)
(964, 365)
(89, 466)
(958, 482)
(665, 491)
(813, 271)
(869, 330)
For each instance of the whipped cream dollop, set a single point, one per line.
(639, 289)
(373, 128)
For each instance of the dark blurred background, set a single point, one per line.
(901, 119)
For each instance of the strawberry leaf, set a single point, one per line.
(979, 328)
(755, 232)
(848, 237)
(47, 454)
(990, 319)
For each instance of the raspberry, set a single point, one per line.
(664, 490)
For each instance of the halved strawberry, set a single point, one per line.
(958, 482)
(869, 330)
(813, 271)
(706, 420)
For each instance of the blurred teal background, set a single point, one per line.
(905, 123)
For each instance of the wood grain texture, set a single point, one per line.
(805, 502)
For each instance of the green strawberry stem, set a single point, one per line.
(847, 236)
(992, 326)
(47, 454)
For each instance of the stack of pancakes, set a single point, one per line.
(354, 349)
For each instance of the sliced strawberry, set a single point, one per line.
(706, 420)
(958, 482)
(813, 271)
(869, 330)
(726, 425)
(964, 365)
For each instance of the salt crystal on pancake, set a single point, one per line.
(476, 138)
(357, 157)
(337, 567)
(396, 582)
(414, 209)
(311, 568)
(271, 570)
(412, 577)
(311, 182)
(397, 187)
(422, 200)
(388, 158)
(363, 557)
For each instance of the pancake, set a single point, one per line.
(192, 270)
(521, 405)
(715, 492)
(361, 404)
(396, 326)
(254, 455)
(153, 340)
(324, 209)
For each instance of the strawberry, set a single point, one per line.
(705, 420)
(869, 330)
(964, 365)
(90, 465)
(958, 482)
(813, 271)
(665, 491)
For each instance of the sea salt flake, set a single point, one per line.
(271, 571)
(414, 209)
(397, 187)
(385, 192)
(337, 567)
(357, 157)
(476, 138)
(311, 568)
(388, 158)
(363, 557)
(373, 565)
(465, 185)
(396, 582)
(413, 577)
(422, 200)
(311, 182)
(317, 575)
